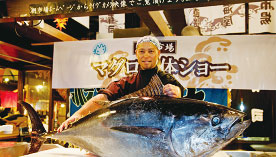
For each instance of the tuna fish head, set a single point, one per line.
(205, 128)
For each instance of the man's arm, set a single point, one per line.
(88, 107)
(117, 89)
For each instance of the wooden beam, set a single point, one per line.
(131, 32)
(42, 44)
(26, 51)
(149, 22)
(161, 23)
(15, 33)
(48, 29)
(57, 33)
(47, 34)
(176, 20)
(35, 67)
(7, 64)
(26, 61)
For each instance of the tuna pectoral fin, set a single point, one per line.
(37, 128)
(140, 130)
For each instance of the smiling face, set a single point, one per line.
(147, 55)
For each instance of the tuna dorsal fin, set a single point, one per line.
(155, 87)
(37, 128)
(140, 130)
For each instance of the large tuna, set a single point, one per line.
(153, 126)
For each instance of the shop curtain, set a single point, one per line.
(8, 99)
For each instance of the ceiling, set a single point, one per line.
(27, 46)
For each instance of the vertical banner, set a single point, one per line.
(107, 23)
(262, 17)
(221, 19)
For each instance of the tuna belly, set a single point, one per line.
(107, 142)
(117, 143)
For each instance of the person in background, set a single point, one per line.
(148, 53)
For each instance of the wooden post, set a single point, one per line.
(246, 18)
(51, 105)
(176, 20)
(67, 103)
(149, 22)
(273, 138)
(20, 88)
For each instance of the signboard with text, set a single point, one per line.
(223, 19)
(237, 62)
(62, 7)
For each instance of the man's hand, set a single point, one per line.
(172, 91)
(66, 123)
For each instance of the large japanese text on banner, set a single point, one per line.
(237, 62)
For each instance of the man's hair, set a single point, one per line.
(151, 39)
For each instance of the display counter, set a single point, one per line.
(15, 129)
(14, 136)
(15, 149)
(76, 152)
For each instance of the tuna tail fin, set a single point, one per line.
(37, 128)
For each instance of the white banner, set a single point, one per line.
(236, 62)
(220, 19)
(107, 23)
(223, 19)
(262, 17)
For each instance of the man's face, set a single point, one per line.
(147, 55)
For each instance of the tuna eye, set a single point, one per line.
(215, 120)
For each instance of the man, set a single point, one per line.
(147, 52)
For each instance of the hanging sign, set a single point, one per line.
(223, 19)
(72, 6)
(262, 17)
